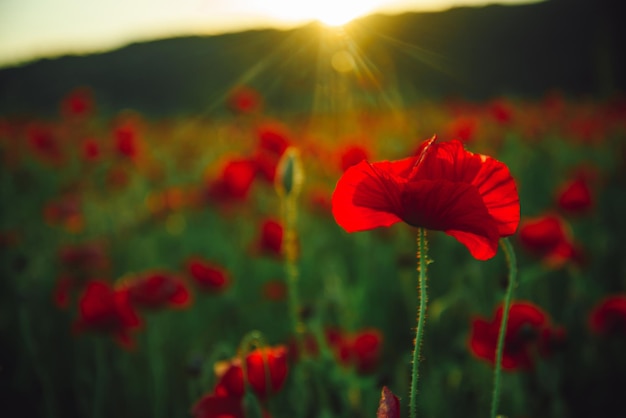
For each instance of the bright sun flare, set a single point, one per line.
(329, 12)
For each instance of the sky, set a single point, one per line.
(31, 29)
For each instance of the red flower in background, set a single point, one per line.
(469, 196)
(549, 237)
(501, 111)
(609, 316)
(158, 290)
(227, 396)
(463, 128)
(353, 155)
(78, 103)
(528, 334)
(245, 100)
(270, 239)
(208, 276)
(575, 195)
(90, 150)
(106, 310)
(127, 137)
(361, 349)
(234, 182)
(44, 143)
(273, 142)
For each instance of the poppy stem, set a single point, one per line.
(422, 257)
(291, 269)
(512, 263)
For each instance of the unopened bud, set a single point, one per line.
(289, 173)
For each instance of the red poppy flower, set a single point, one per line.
(609, 316)
(258, 363)
(361, 349)
(90, 150)
(463, 128)
(273, 142)
(78, 103)
(158, 290)
(104, 309)
(501, 111)
(469, 196)
(528, 334)
(575, 195)
(127, 137)
(270, 239)
(44, 143)
(245, 100)
(549, 237)
(208, 276)
(234, 182)
(353, 155)
(218, 406)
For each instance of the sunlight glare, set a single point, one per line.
(329, 12)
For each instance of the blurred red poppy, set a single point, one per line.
(273, 142)
(106, 310)
(78, 103)
(270, 240)
(158, 290)
(528, 334)
(218, 406)
(127, 137)
(469, 196)
(361, 349)
(208, 276)
(226, 400)
(234, 181)
(44, 143)
(575, 195)
(463, 128)
(609, 316)
(90, 150)
(353, 155)
(549, 237)
(245, 100)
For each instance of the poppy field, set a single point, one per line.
(254, 264)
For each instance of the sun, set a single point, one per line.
(329, 12)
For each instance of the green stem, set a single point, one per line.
(291, 269)
(512, 263)
(422, 257)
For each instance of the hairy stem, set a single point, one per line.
(512, 263)
(422, 257)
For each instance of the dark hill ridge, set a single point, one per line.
(476, 53)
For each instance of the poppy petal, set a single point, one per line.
(366, 197)
(455, 208)
(499, 193)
